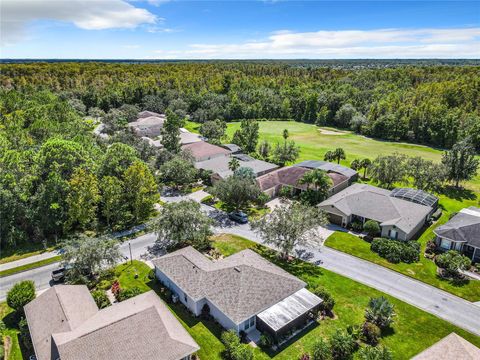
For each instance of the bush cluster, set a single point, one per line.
(21, 294)
(234, 349)
(328, 301)
(396, 251)
(128, 293)
(101, 299)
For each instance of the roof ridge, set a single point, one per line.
(62, 306)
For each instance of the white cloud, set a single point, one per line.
(85, 14)
(379, 43)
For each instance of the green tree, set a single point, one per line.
(117, 159)
(21, 294)
(178, 172)
(112, 204)
(264, 150)
(290, 225)
(328, 301)
(233, 164)
(336, 155)
(319, 185)
(365, 165)
(141, 190)
(380, 312)
(321, 350)
(426, 174)
(389, 169)
(344, 115)
(171, 132)
(245, 172)
(82, 199)
(342, 344)
(183, 223)
(236, 192)
(84, 257)
(453, 262)
(371, 227)
(213, 131)
(460, 162)
(247, 136)
(285, 153)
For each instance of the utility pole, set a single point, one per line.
(130, 248)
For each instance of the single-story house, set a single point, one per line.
(65, 323)
(449, 348)
(146, 113)
(329, 167)
(202, 151)
(272, 183)
(186, 137)
(149, 126)
(219, 166)
(417, 196)
(461, 233)
(398, 218)
(243, 292)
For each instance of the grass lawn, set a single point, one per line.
(30, 266)
(11, 331)
(23, 251)
(313, 144)
(253, 212)
(424, 270)
(413, 331)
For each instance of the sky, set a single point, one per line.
(255, 29)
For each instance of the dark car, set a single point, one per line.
(238, 216)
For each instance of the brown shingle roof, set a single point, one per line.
(289, 175)
(202, 150)
(139, 328)
(448, 348)
(241, 285)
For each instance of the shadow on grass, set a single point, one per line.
(454, 282)
(458, 193)
(388, 331)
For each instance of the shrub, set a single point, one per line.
(328, 301)
(242, 352)
(396, 251)
(266, 340)
(371, 227)
(25, 334)
(262, 199)
(286, 192)
(205, 311)
(128, 293)
(101, 299)
(304, 356)
(371, 333)
(357, 226)
(343, 345)
(231, 341)
(375, 353)
(380, 312)
(21, 294)
(321, 350)
(452, 262)
(104, 284)
(431, 247)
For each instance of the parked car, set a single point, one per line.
(238, 216)
(58, 274)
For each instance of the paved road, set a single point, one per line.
(442, 304)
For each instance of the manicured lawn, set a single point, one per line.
(11, 331)
(413, 331)
(313, 144)
(30, 266)
(424, 270)
(253, 212)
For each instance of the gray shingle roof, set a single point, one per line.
(327, 166)
(241, 285)
(203, 150)
(139, 328)
(219, 165)
(376, 203)
(448, 348)
(464, 226)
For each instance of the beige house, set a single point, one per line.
(65, 323)
(451, 347)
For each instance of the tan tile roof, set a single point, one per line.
(241, 285)
(449, 348)
(202, 150)
(138, 328)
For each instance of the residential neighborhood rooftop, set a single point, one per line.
(65, 323)
(450, 347)
(240, 285)
(415, 195)
(328, 167)
(464, 226)
(376, 203)
(202, 150)
(149, 126)
(220, 165)
(289, 175)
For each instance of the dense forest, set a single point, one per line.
(57, 177)
(435, 105)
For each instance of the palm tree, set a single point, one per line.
(329, 156)
(380, 312)
(233, 164)
(339, 154)
(365, 164)
(285, 134)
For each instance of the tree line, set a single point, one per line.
(435, 105)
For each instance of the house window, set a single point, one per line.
(249, 323)
(446, 244)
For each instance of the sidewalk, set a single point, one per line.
(29, 260)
